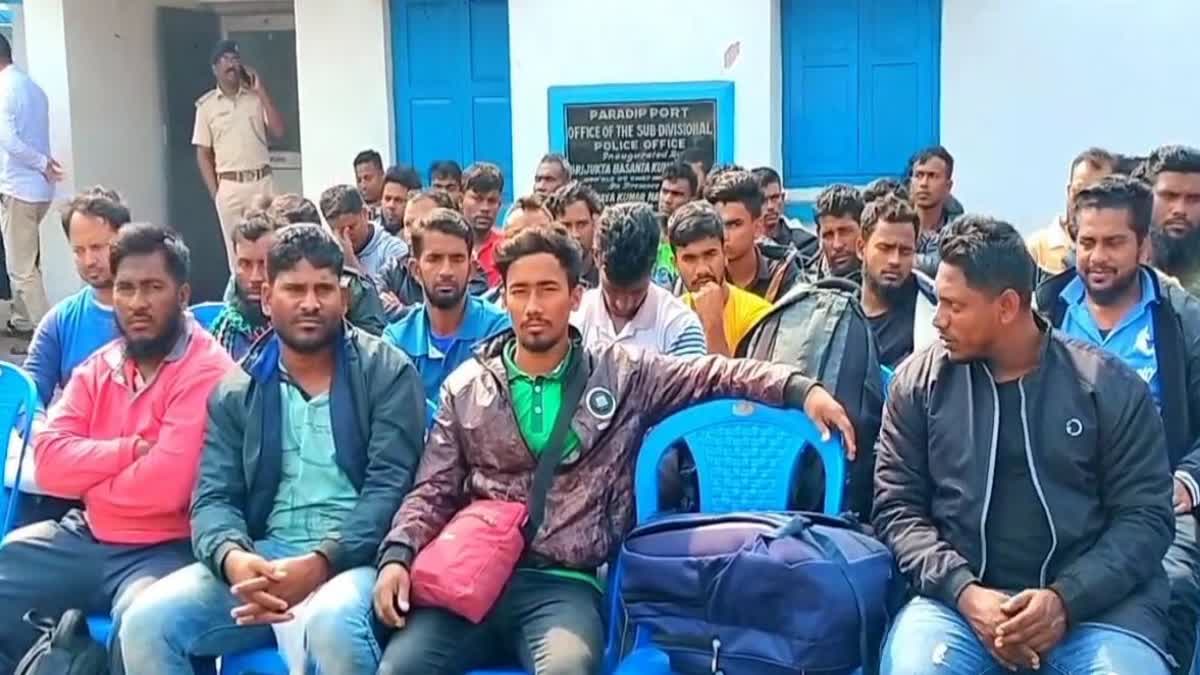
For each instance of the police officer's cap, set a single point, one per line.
(222, 48)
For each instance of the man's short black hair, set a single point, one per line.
(137, 239)
(1130, 165)
(254, 224)
(735, 184)
(926, 154)
(293, 208)
(765, 176)
(693, 222)
(304, 241)
(447, 221)
(369, 157)
(340, 200)
(839, 201)
(681, 171)
(96, 202)
(556, 158)
(1118, 192)
(445, 168)
(891, 208)
(482, 178)
(443, 200)
(627, 237)
(572, 192)
(403, 174)
(5, 50)
(884, 186)
(1169, 159)
(1097, 158)
(552, 239)
(694, 155)
(991, 254)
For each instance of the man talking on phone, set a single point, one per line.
(232, 123)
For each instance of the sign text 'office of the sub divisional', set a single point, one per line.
(620, 149)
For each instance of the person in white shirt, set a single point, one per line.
(27, 174)
(627, 308)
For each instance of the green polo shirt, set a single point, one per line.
(537, 402)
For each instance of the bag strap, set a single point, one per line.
(552, 453)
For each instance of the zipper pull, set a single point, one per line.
(716, 657)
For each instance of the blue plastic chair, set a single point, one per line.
(206, 312)
(261, 661)
(747, 458)
(18, 405)
(888, 375)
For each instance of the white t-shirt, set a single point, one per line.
(662, 325)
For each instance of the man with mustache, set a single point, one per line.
(838, 213)
(311, 445)
(232, 124)
(399, 183)
(1173, 172)
(441, 333)
(577, 207)
(553, 172)
(726, 312)
(1112, 301)
(482, 185)
(931, 177)
(241, 322)
(368, 178)
(1022, 483)
(127, 436)
(899, 301)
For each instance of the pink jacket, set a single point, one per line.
(87, 447)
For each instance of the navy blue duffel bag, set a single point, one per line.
(760, 593)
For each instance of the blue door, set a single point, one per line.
(860, 87)
(450, 72)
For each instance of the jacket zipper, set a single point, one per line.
(1037, 485)
(991, 475)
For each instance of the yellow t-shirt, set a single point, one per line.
(743, 311)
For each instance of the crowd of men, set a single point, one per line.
(393, 351)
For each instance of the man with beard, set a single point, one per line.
(482, 186)
(1051, 246)
(367, 246)
(898, 301)
(309, 451)
(241, 321)
(399, 182)
(1022, 484)
(127, 437)
(751, 267)
(496, 419)
(930, 181)
(726, 312)
(777, 227)
(441, 334)
(677, 186)
(368, 178)
(553, 171)
(576, 207)
(838, 213)
(1112, 301)
(1173, 172)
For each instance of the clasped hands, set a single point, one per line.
(269, 590)
(1017, 630)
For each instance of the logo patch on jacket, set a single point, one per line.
(600, 403)
(1074, 427)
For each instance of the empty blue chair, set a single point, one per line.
(206, 313)
(18, 404)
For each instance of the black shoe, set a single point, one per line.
(13, 332)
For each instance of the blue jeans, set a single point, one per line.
(929, 638)
(187, 614)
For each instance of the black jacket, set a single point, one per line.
(1176, 318)
(1097, 455)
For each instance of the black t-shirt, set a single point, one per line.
(1016, 530)
(894, 329)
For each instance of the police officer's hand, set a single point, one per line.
(256, 83)
(1183, 498)
(391, 594)
(825, 412)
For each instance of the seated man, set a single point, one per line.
(777, 227)
(496, 416)
(125, 435)
(367, 246)
(627, 308)
(482, 194)
(899, 301)
(308, 454)
(526, 211)
(1052, 246)
(441, 333)
(767, 269)
(399, 182)
(727, 312)
(839, 216)
(241, 321)
(576, 207)
(1112, 301)
(677, 185)
(1022, 484)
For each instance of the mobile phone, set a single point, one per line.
(246, 76)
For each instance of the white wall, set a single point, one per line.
(1028, 84)
(553, 42)
(342, 60)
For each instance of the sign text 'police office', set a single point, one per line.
(619, 149)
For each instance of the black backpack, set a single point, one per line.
(820, 328)
(63, 649)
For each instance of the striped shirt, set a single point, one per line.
(662, 325)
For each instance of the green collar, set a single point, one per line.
(514, 371)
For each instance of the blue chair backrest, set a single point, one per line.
(888, 374)
(743, 451)
(206, 313)
(18, 404)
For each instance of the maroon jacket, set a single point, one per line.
(475, 449)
